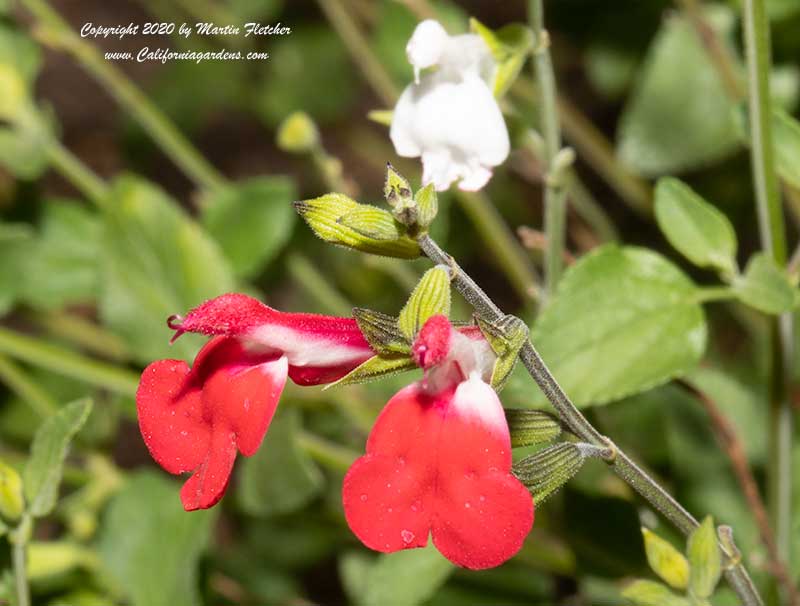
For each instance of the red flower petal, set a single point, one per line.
(440, 464)
(195, 419)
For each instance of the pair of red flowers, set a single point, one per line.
(438, 459)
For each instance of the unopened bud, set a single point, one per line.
(12, 501)
(298, 134)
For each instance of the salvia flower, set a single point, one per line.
(438, 460)
(196, 419)
(449, 116)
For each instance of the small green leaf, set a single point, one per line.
(506, 338)
(786, 141)
(510, 46)
(623, 320)
(382, 332)
(53, 558)
(650, 593)
(427, 205)
(12, 501)
(252, 221)
(150, 546)
(549, 469)
(699, 231)
(324, 215)
(764, 286)
(431, 297)
(157, 262)
(371, 222)
(679, 115)
(529, 427)
(43, 470)
(705, 559)
(279, 479)
(377, 367)
(666, 561)
(407, 577)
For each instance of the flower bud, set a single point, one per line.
(13, 95)
(12, 502)
(298, 134)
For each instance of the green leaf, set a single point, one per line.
(280, 477)
(252, 221)
(548, 470)
(42, 473)
(12, 501)
(151, 546)
(666, 561)
(529, 427)
(786, 142)
(679, 116)
(764, 286)
(705, 559)
(623, 320)
(15, 241)
(699, 231)
(371, 222)
(510, 46)
(407, 577)
(61, 266)
(325, 214)
(650, 593)
(430, 297)
(157, 262)
(427, 205)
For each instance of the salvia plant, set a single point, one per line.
(434, 423)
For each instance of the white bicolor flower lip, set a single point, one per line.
(449, 116)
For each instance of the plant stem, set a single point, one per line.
(554, 189)
(21, 384)
(57, 33)
(327, 453)
(773, 240)
(574, 420)
(375, 74)
(76, 172)
(66, 362)
(19, 559)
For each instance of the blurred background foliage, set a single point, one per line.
(110, 221)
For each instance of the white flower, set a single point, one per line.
(449, 115)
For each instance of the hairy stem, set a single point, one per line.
(773, 240)
(574, 420)
(554, 191)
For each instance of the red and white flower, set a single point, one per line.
(196, 419)
(438, 460)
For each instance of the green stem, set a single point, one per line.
(81, 332)
(21, 384)
(579, 425)
(773, 240)
(66, 362)
(76, 172)
(58, 34)
(358, 47)
(554, 191)
(717, 293)
(19, 560)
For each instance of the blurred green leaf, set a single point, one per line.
(612, 307)
(666, 561)
(782, 9)
(22, 152)
(308, 71)
(764, 286)
(651, 593)
(42, 473)
(705, 559)
(406, 577)
(12, 501)
(157, 262)
(679, 116)
(252, 221)
(20, 51)
(510, 46)
(280, 477)
(15, 240)
(699, 231)
(610, 70)
(786, 140)
(151, 546)
(61, 266)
